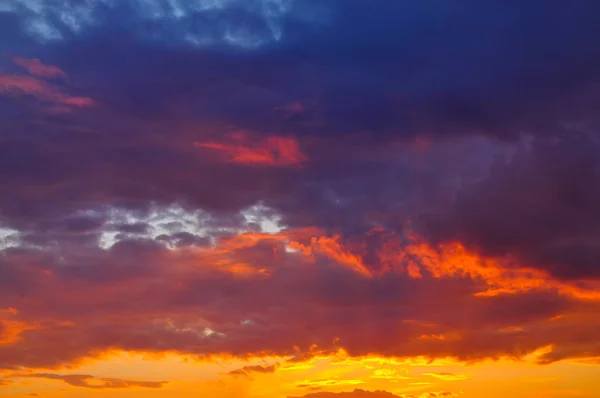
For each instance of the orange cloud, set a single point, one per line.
(228, 253)
(10, 329)
(500, 275)
(35, 67)
(273, 151)
(331, 247)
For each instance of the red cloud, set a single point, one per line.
(244, 149)
(253, 295)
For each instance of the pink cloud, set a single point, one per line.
(35, 67)
(292, 109)
(26, 85)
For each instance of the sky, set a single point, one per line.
(299, 198)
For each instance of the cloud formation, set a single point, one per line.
(295, 179)
(23, 86)
(274, 151)
(36, 86)
(35, 67)
(540, 206)
(247, 370)
(253, 293)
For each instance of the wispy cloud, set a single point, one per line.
(87, 381)
(23, 86)
(447, 376)
(36, 68)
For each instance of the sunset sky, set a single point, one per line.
(300, 198)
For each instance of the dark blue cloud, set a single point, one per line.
(366, 76)
(496, 67)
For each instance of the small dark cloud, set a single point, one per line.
(240, 373)
(247, 370)
(185, 239)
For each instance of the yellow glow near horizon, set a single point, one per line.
(188, 377)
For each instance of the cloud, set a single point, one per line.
(442, 394)
(249, 369)
(389, 374)
(36, 68)
(261, 20)
(377, 394)
(356, 112)
(249, 294)
(446, 376)
(174, 232)
(539, 207)
(444, 82)
(274, 151)
(30, 86)
(453, 260)
(261, 369)
(358, 393)
(87, 381)
(331, 248)
(292, 109)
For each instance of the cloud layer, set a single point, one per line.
(295, 178)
